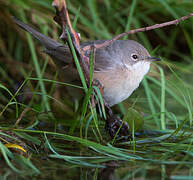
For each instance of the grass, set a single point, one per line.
(65, 136)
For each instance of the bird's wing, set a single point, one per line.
(108, 57)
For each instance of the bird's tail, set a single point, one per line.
(54, 49)
(47, 42)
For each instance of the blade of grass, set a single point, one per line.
(7, 154)
(12, 98)
(130, 17)
(36, 64)
(162, 109)
(150, 101)
(79, 69)
(71, 159)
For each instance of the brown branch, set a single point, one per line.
(134, 31)
(62, 18)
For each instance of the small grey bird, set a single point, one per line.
(120, 66)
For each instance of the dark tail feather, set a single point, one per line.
(47, 42)
(54, 49)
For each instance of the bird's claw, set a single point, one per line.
(116, 127)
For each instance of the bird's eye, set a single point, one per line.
(134, 57)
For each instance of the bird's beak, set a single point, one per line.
(153, 59)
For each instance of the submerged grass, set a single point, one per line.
(62, 135)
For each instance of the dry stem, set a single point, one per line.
(134, 31)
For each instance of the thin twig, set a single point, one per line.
(134, 31)
(22, 115)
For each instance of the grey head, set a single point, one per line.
(122, 53)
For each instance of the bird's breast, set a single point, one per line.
(119, 84)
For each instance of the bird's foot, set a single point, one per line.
(116, 127)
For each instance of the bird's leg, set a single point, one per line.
(114, 125)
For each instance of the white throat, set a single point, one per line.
(123, 87)
(137, 72)
(135, 75)
(140, 68)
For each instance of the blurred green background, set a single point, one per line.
(163, 101)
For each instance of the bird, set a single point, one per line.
(119, 66)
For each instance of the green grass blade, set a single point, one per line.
(37, 67)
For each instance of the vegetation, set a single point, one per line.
(46, 134)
